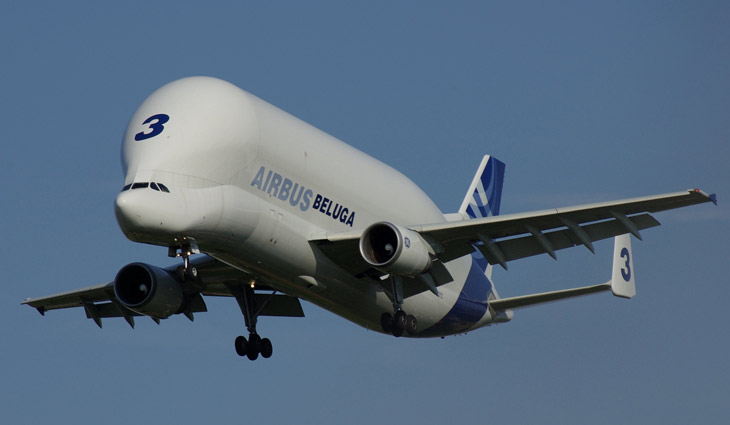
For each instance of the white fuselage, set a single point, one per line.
(250, 185)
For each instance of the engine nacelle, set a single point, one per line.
(148, 290)
(394, 249)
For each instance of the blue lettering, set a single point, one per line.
(275, 182)
(155, 123)
(268, 179)
(259, 179)
(294, 198)
(285, 188)
(306, 200)
(325, 203)
(626, 274)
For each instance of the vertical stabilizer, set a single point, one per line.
(483, 199)
(622, 279)
(485, 192)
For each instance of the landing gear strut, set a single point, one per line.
(184, 272)
(399, 322)
(254, 345)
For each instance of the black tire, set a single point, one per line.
(181, 275)
(411, 324)
(252, 355)
(399, 323)
(241, 345)
(254, 347)
(192, 273)
(266, 348)
(386, 322)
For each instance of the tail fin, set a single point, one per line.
(485, 192)
(622, 279)
(483, 199)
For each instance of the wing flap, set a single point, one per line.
(280, 305)
(526, 246)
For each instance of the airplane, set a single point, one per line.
(269, 210)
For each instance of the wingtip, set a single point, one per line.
(712, 197)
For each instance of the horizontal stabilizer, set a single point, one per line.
(546, 297)
(621, 283)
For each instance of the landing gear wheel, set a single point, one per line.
(411, 324)
(386, 322)
(181, 274)
(254, 347)
(191, 273)
(241, 345)
(266, 348)
(399, 323)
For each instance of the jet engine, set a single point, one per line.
(395, 250)
(148, 290)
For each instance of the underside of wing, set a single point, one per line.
(510, 237)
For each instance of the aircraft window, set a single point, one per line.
(163, 188)
(153, 185)
(140, 185)
(127, 187)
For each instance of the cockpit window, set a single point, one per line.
(144, 185)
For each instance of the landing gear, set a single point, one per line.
(184, 272)
(399, 323)
(254, 345)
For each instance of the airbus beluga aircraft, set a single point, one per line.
(281, 211)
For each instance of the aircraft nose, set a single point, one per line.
(143, 212)
(162, 217)
(129, 209)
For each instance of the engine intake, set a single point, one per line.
(394, 249)
(148, 290)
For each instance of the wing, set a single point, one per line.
(510, 237)
(214, 279)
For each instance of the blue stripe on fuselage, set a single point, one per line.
(469, 308)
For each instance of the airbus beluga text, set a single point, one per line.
(282, 211)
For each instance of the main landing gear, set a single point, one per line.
(254, 345)
(398, 323)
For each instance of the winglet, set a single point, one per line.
(622, 279)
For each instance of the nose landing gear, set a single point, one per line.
(184, 272)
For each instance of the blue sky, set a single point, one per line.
(584, 102)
